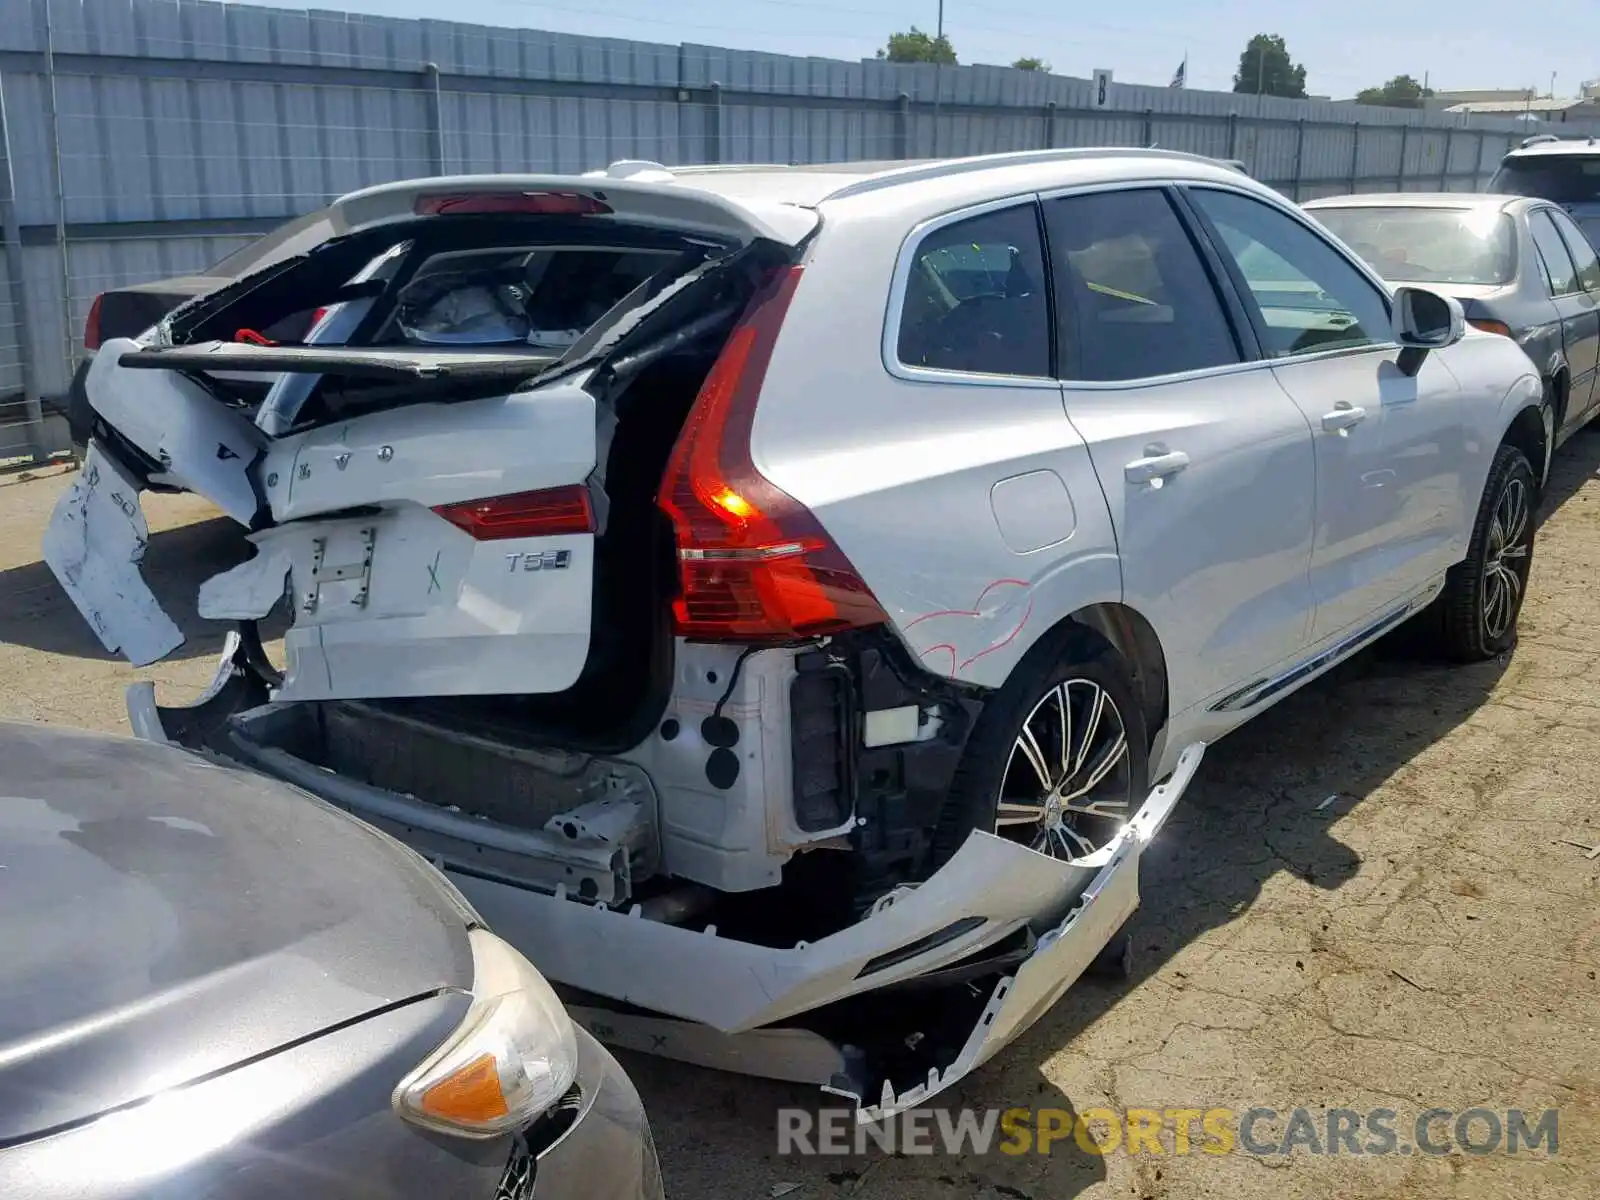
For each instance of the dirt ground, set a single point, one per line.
(1428, 939)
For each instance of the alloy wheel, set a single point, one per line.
(1066, 791)
(1506, 559)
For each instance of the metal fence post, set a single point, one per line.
(435, 116)
(902, 125)
(1444, 167)
(714, 125)
(1477, 167)
(1405, 142)
(1149, 126)
(53, 132)
(1355, 156)
(1050, 125)
(11, 236)
(1299, 155)
(1233, 135)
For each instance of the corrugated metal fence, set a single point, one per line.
(146, 138)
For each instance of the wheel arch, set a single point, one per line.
(1128, 634)
(1527, 433)
(1560, 377)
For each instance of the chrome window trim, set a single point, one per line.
(1071, 386)
(889, 344)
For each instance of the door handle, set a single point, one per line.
(1343, 417)
(1155, 467)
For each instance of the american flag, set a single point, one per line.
(1181, 75)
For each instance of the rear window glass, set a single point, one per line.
(1428, 245)
(287, 240)
(1565, 178)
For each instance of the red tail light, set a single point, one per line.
(91, 325)
(551, 204)
(754, 564)
(544, 513)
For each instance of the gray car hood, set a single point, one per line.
(163, 918)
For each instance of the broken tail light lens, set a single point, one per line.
(549, 204)
(544, 513)
(91, 325)
(754, 564)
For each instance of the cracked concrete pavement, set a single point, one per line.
(1429, 938)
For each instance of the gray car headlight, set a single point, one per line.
(512, 1057)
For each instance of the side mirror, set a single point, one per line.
(1425, 321)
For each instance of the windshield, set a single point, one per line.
(1428, 245)
(1562, 179)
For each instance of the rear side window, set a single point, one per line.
(1311, 299)
(1583, 254)
(975, 297)
(1562, 178)
(1135, 299)
(1559, 268)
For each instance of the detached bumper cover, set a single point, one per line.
(717, 1000)
(94, 544)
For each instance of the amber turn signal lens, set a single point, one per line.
(472, 1095)
(1489, 326)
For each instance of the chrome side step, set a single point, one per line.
(1265, 689)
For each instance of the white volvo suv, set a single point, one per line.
(776, 595)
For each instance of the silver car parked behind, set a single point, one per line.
(1520, 267)
(215, 986)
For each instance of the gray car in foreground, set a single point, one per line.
(214, 985)
(1519, 266)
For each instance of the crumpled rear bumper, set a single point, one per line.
(765, 1010)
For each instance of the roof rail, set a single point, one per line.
(945, 168)
(1538, 139)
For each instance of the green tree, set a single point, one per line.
(914, 46)
(1032, 64)
(1265, 69)
(1400, 92)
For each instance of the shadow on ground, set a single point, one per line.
(35, 612)
(1252, 812)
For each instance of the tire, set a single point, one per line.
(993, 763)
(1483, 593)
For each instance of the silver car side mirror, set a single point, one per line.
(1424, 321)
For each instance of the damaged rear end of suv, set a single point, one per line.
(554, 628)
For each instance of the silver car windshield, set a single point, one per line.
(1428, 245)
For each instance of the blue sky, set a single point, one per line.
(1344, 45)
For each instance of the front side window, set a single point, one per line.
(1583, 253)
(1559, 268)
(1309, 297)
(975, 297)
(1134, 298)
